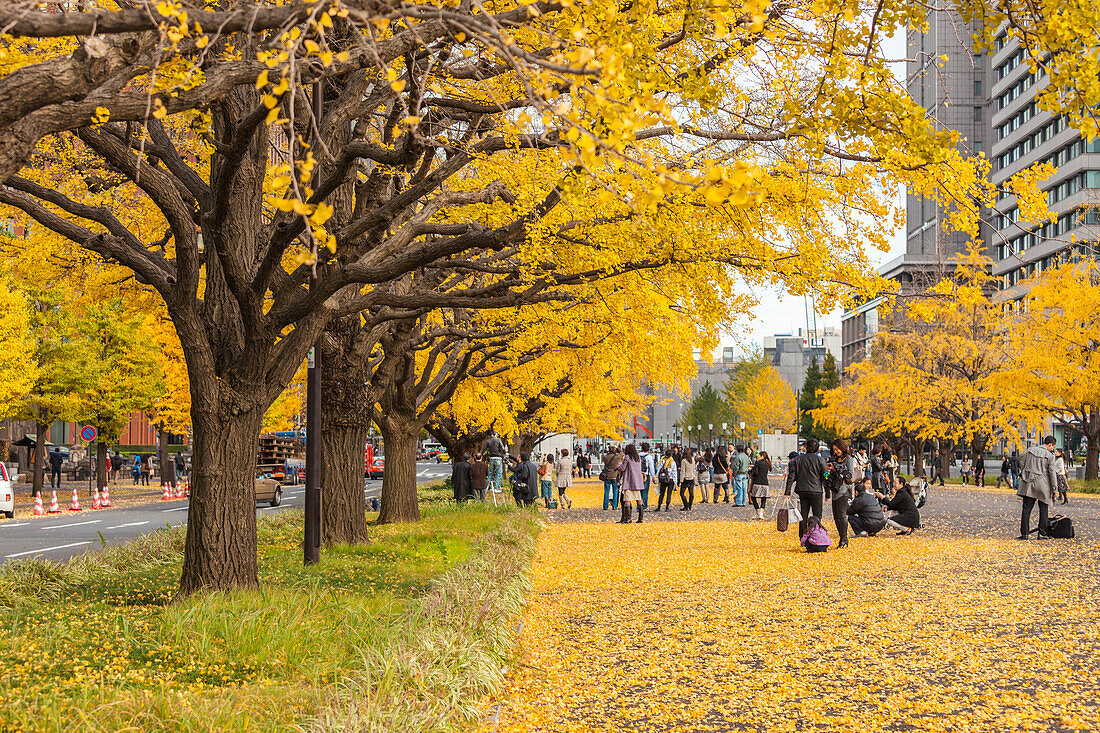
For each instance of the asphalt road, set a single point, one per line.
(64, 535)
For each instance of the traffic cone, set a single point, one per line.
(38, 510)
(74, 505)
(106, 503)
(166, 493)
(95, 501)
(179, 490)
(187, 489)
(54, 508)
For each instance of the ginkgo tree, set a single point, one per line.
(267, 167)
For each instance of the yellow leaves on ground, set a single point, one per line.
(717, 626)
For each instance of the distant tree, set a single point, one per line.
(768, 404)
(705, 409)
(739, 378)
(830, 379)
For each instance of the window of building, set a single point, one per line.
(977, 114)
(977, 87)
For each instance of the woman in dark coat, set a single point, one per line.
(758, 484)
(906, 517)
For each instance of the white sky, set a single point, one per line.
(779, 312)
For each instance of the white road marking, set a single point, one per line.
(74, 524)
(131, 524)
(46, 549)
(177, 509)
(16, 524)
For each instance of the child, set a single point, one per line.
(816, 538)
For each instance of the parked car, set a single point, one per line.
(442, 457)
(269, 491)
(7, 493)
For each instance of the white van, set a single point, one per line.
(7, 493)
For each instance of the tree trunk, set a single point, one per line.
(220, 549)
(101, 461)
(526, 442)
(947, 453)
(347, 407)
(38, 477)
(344, 518)
(162, 452)
(1091, 429)
(399, 500)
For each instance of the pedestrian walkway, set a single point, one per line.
(719, 625)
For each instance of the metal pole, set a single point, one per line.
(312, 543)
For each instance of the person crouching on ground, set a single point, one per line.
(631, 492)
(816, 538)
(906, 518)
(865, 513)
(1038, 482)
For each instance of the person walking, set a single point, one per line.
(460, 478)
(649, 472)
(55, 468)
(610, 477)
(721, 466)
(564, 479)
(1006, 469)
(964, 470)
(741, 465)
(865, 515)
(1014, 469)
(667, 475)
(135, 470)
(687, 480)
(495, 449)
(546, 478)
(979, 472)
(804, 476)
(1063, 476)
(631, 468)
(116, 467)
(840, 486)
(1038, 483)
(878, 471)
(146, 469)
(906, 518)
(479, 476)
(704, 469)
(758, 484)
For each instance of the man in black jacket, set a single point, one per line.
(805, 474)
(865, 513)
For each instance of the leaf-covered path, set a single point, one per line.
(716, 625)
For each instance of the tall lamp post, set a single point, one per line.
(725, 432)
(742, 432)
(710, 430)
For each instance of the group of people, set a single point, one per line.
(857, 498)
(629, 475)
(533, 477)
(141, 467)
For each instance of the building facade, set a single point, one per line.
(791, 354)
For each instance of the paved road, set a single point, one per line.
(61, 536)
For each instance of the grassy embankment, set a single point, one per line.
(408, 632)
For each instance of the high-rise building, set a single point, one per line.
(1021, 135)
(790, 354)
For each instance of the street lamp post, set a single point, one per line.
(742, 432)
(725, 432)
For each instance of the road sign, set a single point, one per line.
(88, 433)
(760, 431)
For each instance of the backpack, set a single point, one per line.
(1061, 527)
(662, 473)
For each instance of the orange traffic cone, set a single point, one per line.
(187, 489)
(54, 508)
(106, 503)
(166, 494)
(74, 505)
(178, 491)
(38, 510)
(95, 501)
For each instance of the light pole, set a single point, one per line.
(725, 431)
(698, 435)
(710, 429)
(742, 432)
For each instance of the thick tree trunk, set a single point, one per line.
(947, 453)
(399, 500)
(220, 549)
(162, 452)
(347, 406)
(101, 462)
(526, 442)
(1092, 453)
(38, 477)
(344, 518)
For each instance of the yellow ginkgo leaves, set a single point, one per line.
(718, 626)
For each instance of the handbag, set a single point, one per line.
(782, 518)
